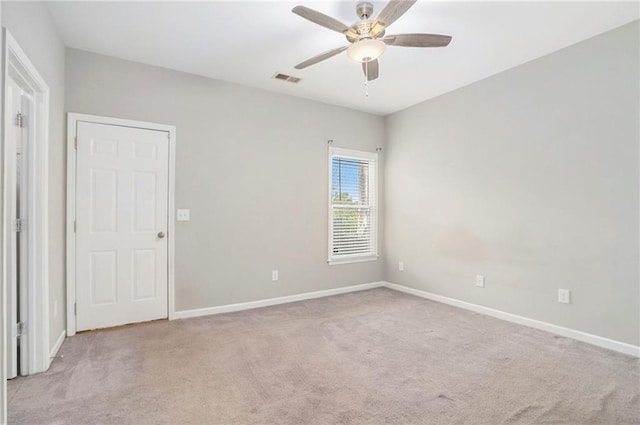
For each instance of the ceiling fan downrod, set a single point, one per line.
(364, 10)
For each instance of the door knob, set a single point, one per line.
(160, 235)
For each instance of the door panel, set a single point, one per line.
(121, 208)
(104, 278)
(143, 282)
(103, 200)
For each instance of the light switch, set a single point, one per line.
(182, 215)
(564, 296)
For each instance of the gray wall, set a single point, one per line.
(31, 25)
(252, 167)
(530, 178)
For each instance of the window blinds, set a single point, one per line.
(353, 205)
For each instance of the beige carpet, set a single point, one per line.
(373, 357)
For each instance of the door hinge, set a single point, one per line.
(75, 309)
(75, 227)
(17, 225)
(20, 120)
(75, 143)
(21, 329)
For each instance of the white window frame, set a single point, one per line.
(373, 204)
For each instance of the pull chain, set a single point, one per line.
(366, 79)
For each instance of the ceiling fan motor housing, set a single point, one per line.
(365, 25)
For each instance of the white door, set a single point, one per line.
(13, 139)
(121, 225)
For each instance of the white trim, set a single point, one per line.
(621, 347)
(353, 154)
(70, 239)
(354, 259)
(185, 314)
(35, 287)
(3, 282)
(72, 120)
(56, 347)
(171, 231)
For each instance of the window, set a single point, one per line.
(352, 206)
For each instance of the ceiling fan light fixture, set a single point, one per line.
(366, 50)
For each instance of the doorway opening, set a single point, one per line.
(19, 107)
(25, 212)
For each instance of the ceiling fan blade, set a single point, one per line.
(371, 69)
(394, 10)
(320, 19)
(417, 40)
(321, 57)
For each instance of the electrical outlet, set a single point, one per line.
(183, 215)
(479, 281)
(274, 275)
(401, 266)
(564, 296)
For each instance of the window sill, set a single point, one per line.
(335, 261)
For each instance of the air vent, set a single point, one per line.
(285, 77)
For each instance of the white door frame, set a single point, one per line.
(3, 284)
(34, 286)
(72, 121)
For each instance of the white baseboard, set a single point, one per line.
(56, 347)
(599, 341)
(273, 301)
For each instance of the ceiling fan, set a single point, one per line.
(367, 36)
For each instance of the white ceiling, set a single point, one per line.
(247, 42)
